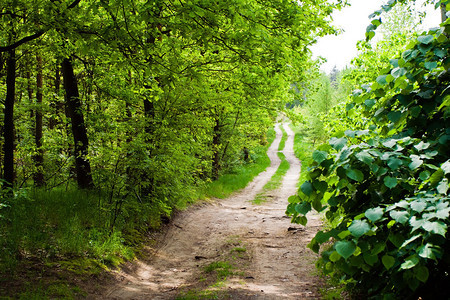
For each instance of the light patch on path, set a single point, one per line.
(280, 266)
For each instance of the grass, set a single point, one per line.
(303, 150)
(283, 139)
(82, 233)
(275, 180)
(239, 177)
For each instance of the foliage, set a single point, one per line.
(383, 184)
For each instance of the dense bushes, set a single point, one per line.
(383, 185)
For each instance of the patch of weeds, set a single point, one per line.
(82, 266)
(223, 269)
(203, 295)
(239, 249)
(54, 290)
(333, 290)
(234, 240)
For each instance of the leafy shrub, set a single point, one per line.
(384, 189)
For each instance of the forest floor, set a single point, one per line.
(229, 249)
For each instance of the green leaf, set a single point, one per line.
(422, 146)
(430, 65)
(388, 261)
(436, 177)
(426, 251)
(381, 79)
(418, 205)
(319, 156)
(398, 72)
(424, 175)
(442, 187)
(334, 257)
(345, 248)
(399, 216)
(410, 262)
(370, 103)
(437, 227)
(374, 214)
(394, 163)
(425, 39)
(390, 182)
(369, 35)
(359, 228)
(355, 174)
(446, 167)
(321, 186)
(303, 208)
(422, 273)
(415, 163)
(338, 144)
(307, 188)
(370, 259)
(442, 213)
(322, 237)
(365, 157)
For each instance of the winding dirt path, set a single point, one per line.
(269, 251)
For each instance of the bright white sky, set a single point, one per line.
(339, 50)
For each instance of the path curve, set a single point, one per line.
(279, 265)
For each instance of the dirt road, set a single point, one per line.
(268, 253)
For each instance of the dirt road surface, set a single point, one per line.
(268, 253)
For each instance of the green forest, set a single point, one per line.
(117, 114)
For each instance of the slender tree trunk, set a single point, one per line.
(149, 113)
(443, 13)
(39, 156)
(215, 148)
(73, 105)
(8, 147)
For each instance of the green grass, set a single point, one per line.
(303, 150)
(275, 180)
(240, 176)
(283, 139)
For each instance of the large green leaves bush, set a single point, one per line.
(384, 188)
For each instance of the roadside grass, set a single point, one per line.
(277, 177)
(240, 176)
(80, 234)
(303, 150)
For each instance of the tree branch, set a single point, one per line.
(22, 41)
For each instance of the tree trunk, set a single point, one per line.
(215, 148)
(443, 13)
(8, 147)
(73, 105)
(149, 113)
(39, 156)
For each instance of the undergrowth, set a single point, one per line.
(240, 176)
(85, 232)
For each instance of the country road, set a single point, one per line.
(268, 253)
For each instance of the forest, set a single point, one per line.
(117, 114)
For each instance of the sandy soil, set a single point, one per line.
(269, 253)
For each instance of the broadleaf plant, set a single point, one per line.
(385, 195)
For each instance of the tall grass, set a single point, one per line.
(50, 225)
(303, 149)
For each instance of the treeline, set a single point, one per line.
(140, 101)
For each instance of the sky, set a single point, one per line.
(339, 50)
